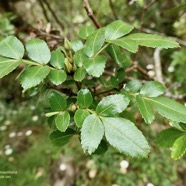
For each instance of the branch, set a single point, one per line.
(91, 14)
(53, 14)
(157, 65)
(44, 11)
(113, 10)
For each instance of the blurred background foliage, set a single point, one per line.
(24, 142)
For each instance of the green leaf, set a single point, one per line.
(94, 42)
(95, 66)
(38, 51)
(61, 138)
(33, 76)
(102, 148)
(57, 101)
(79, 74)
(152, 40)
(167, 137)
(126, 43)
(57, 59)
(62, 121)
(145, 109)
(57, 77)
(80, 116)
(179, 147)
(84, 98)
(169, 108)
(112, 105)
(80, 58)
(76, 45)
(152, 89)
(120, 59)
(92, 133)
(133, 86)
(11, 47)
(125, 137)
(84, 32)
(8, 65)
(117, 29)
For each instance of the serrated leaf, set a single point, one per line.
(125, 137)
(79, 74)
(80, 58)
(11, 47)
(112, 105)
(95, 66)
(152, 89)
(61, 138)
(57, 77)
(80, 116)
(84, 98)
(94, 42)
(167, 137)
(117, 29)
(169, 109)
(33, 76)
(76, 45)
(152, 40)
(84, 32)
(57, 59)
(133, 86)
(38, 51)
(126, 43)
(179, 147)
(8, 65)
(92, 133)
(120, 59)
(62, 121)
(145, 109)
(57, 101)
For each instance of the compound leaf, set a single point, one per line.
(95, 66)
(57, 101)
(167, 137)
(94, 42)
(125, 137)
(92, 133)
(152, 89)
(57, 59)
(11, 47)
(33, 76)
(62, 121)
(8, 65)
(80, 116)
(145, 108)
(57, 77)
(169, 109)
(79, 74)
(152, 40)
(84, 98)
(117, 29)
(84, 32)
(112, 105)
(61, 138)
(179, 147)
(38, 51)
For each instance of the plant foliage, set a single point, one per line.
(81, 110)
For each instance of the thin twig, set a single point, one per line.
(54, 15)
(91, 14)
(44, 11)
(113, 10)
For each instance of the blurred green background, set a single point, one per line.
(24, 142)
